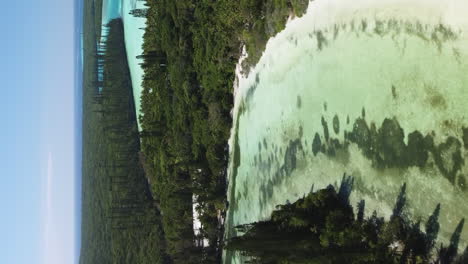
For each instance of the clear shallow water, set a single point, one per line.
(133, 30)
(111, 9)
(364, 63)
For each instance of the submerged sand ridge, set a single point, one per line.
(373, 89)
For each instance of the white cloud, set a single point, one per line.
(52, 248)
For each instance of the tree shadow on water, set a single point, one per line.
(323, 228)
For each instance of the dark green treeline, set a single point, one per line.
(121, 220)
(322, 228)
(190, 51)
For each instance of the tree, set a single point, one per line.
(139, 12)
(432, 229)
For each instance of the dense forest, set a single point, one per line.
(190, 52)
(139, 187)
(189, 60)
(121, 220)
(322, 228)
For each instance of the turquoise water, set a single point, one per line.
(133, 30)
(111, 9)
(361, 89)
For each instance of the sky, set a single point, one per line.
(39, 220)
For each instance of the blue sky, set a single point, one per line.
(38, 152)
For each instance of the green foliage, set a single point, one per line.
(121, 221)
(190, 51)
(322, 228)
(97, 6)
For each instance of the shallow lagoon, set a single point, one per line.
(373, 89)
(133, 30)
